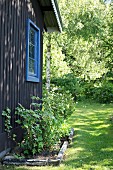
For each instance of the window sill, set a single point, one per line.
(32, 79)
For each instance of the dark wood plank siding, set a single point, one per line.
(0, 68)
(13, 86)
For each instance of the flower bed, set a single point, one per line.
(50, 158)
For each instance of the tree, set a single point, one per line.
(58, 65)
(85, 26)
(85, 46)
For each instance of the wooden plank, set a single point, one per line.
(3, 142)
(13, 59)
(2, 59)
(23, 77)
(7, 57)
(1, 68)
(20, 71)
(18, 55)
(16, 59)
(5, 60)
(11, 93)
(8, 50)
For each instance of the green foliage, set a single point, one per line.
(86, 48)
(85, 45)
(107, 45)
(61, 102)
(81, 89)
(57, 107)
(102, 93)
(30, 121)
(68, 83)
(65, 129)
(85, 27)
(7, 120)
(42, 126)
(82, 54)
(58, 62)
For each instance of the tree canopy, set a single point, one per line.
(85, 46)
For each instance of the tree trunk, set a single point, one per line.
(48, 59)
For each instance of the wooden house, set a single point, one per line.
(22, 23)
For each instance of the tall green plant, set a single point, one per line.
(30, 120)
(7, 121)
(42, 126)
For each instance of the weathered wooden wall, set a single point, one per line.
(13, 86)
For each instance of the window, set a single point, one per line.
(33, 53)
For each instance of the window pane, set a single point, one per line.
(31, 66)
(32, 43)
(31, 51)
(32, 35)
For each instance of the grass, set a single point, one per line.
(92, 146)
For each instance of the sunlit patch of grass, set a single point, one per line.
(102, 126)
(107, 149)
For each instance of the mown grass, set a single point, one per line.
(92, 146)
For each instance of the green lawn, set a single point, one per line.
(92, 146)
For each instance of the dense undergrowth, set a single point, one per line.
(96, 90)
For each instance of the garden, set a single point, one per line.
(92, 146)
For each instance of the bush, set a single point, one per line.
(42, 126)
(70, 83)
(102, 93)
(82, 90)
(30, 121)
(65, 130)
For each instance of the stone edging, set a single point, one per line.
(10, 160)
(2, 154)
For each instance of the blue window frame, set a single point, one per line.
(33, 52)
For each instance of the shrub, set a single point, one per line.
(82, 90)
(70, 83)
(102, 93)
(7, 121)
(30, 121)
(42, 126)
(64, 130)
